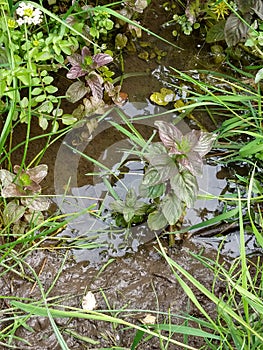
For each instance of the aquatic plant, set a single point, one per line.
(170, 179)
(25, 206)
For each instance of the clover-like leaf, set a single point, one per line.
(185, 187)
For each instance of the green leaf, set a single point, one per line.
(24, 102)
(40, 98)
(128, 213)
(216, 32)
(255, 146)
(76, 91)
(12, 213)
(171, 208)
(185, 186)
(68, 119)
(43, 56)
(43, 123)
(151, 177)
(156, 220)
(152, 192)
(47, 79)
(117, 206)
(36, 91)
(131, 198)
(51, 89)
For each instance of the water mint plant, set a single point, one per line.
(88, 65)
(170, 179)
(21, 189)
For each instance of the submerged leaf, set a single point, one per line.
(235, 30)
(216, 32)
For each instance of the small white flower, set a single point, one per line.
(28, 14)
(89, 302)
(20, 21)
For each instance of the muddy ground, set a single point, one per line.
(141, 280)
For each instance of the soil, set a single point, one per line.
(138, 280)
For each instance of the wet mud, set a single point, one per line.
(140, 279)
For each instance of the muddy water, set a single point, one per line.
(136, 276)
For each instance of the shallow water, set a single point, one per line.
(136, 276)
(84, 191)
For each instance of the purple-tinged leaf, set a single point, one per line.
(12, 190)
(6, 177)
(163, 164)
(85, 52)
(38, 204)
(75, 59)
(185, 186)
(171, 208)
(76, 72)
(205, 142)
(38, 173)
(95, 82)
(170, 135)
(193, 162)
(101, 59)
